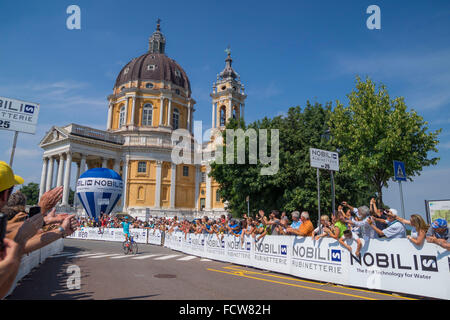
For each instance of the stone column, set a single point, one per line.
(197, 187)
(169, 114)
(213, 115)
(188, 123)
(75, 197)
(42, 187)
(158, 185)
(125, 177)
(173, 176)
(60, 171)
(116, 166)
(50, 174)
(65, 199)
(161, 111)
(208, 189)
(83, 164)
(108, 124)
(133, 105)
(126, 112)
(104, 163)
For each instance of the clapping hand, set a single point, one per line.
(50, 199)
(52, 217)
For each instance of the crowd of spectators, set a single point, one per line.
(22, 232)
(347, 225)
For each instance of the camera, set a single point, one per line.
(34, 211)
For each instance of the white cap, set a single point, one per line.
(393, 211)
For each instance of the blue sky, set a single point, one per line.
(287, 52)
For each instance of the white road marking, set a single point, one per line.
(146, 256)
(123, 256)
(167, 257)
(74, 255)
(205, 260)
(104, 256)
(187, 258)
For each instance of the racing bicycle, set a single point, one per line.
(130, 246)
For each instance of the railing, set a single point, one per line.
(149, 141)
(92, 133)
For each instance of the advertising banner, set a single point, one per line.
(324, 159)
(109, 234)
(154, 236)
(17, 115)
(437, 209)
(394, 265)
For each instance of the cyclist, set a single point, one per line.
(126, 228)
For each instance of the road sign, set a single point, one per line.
(323, 159)
(399, 171)
(17, 115)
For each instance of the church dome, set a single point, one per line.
(154, 66)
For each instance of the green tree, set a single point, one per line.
(374, 130)
(294, 186)
(31, 191)
(71, 196)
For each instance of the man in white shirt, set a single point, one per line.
(394, 229)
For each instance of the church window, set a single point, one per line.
(151, 67)
(147, 115)
(222, 116)
(178, 73)
(217, 195)
(122, 116)
(203, 176)
(149, 85)
(175, 119)
(177, 91)
(126, 70)
(142, 166)
(140, 193)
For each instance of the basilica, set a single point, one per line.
(151, 98)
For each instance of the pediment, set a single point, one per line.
(55, 134)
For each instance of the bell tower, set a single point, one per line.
(228, 97)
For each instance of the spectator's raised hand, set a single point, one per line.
(10, 252)
(28, 229)
(69, 225)
(52, 217)
(50, 199)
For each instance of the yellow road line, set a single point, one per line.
(241, 274)
(315, 282)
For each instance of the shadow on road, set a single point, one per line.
(49, 281)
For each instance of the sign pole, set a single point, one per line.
(401, 199)
(333, 203)
(13, 148)
(248, 206)
(318, 198)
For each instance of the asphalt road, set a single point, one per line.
(163, 274)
